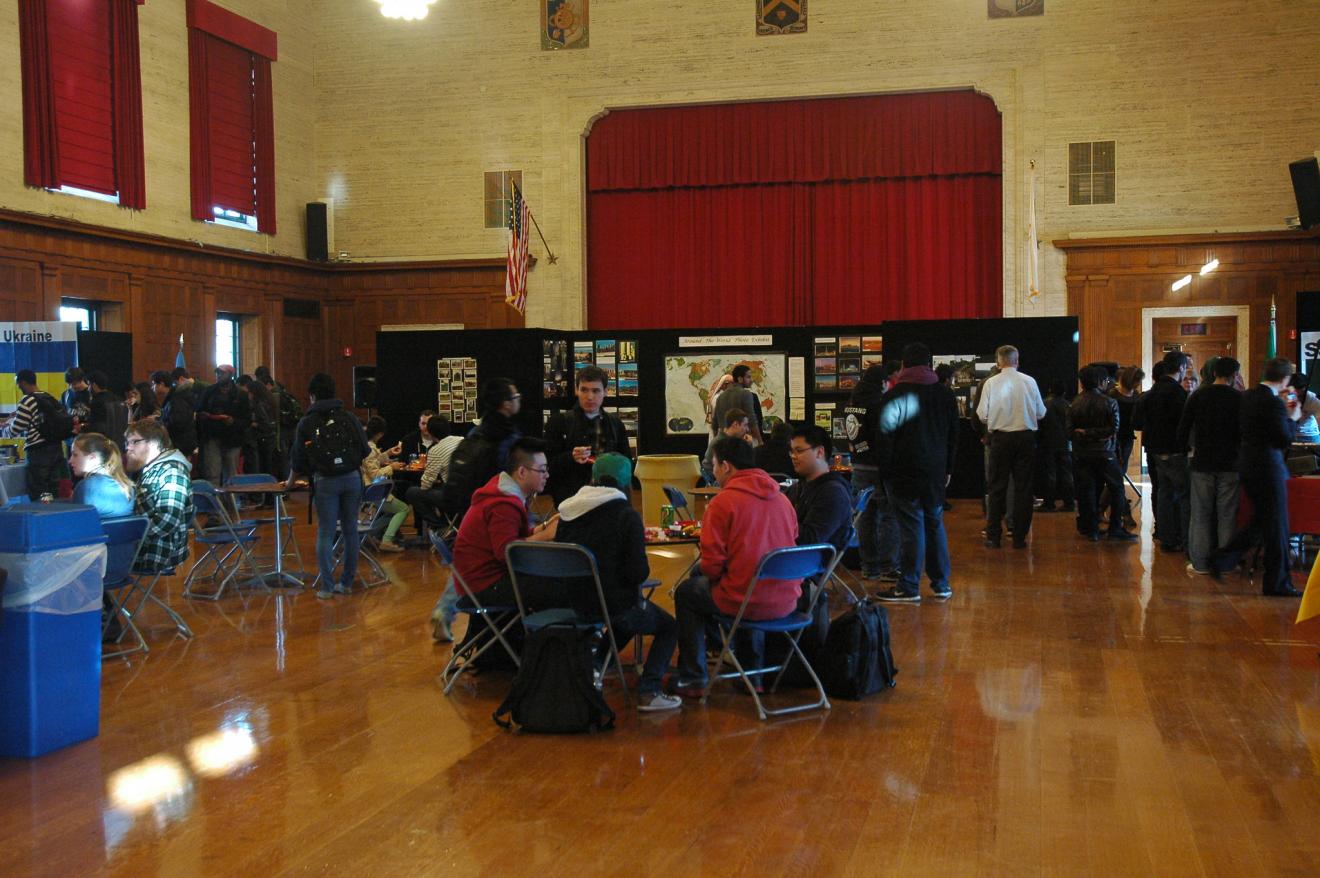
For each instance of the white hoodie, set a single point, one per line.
(587, 498)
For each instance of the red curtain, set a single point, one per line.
(264, 134)
(126, 80)
(41, 160)
(199, 113)
(853, 210)
(84, 109)
(230, 127)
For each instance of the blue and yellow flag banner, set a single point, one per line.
(46, 347)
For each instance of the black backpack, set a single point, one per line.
(54, 423)
(553, 691)
(811, 641)
(334, 443)
(856, 660)
(290, 411)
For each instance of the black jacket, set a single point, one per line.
(862, 421)
(613, 532)
(224, 398)
(1093, 425)
(1263, 426)
(480, 456)
(1126, 405)
(1053, 428)
(1157, 414)
(573, 429)
(412, 444)
(918, 438)
(824, 509)
(1209, 426)
(108, 416)
(180, 418)
(773, 457)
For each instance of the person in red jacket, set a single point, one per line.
(498, 516)
(746, 519)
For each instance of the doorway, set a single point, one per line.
(1203, 331)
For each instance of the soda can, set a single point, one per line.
(668, 515)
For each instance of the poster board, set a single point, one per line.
(691, 376)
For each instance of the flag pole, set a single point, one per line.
(1272, 349)
(549, 254)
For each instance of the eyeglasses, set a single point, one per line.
(515, 397)
(134, 441)
(545, 471)
(794, 450)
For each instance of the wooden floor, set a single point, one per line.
(1075, 709)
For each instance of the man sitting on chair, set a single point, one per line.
(164, 494)
(746, 519)
(601, 518)
(821, 499)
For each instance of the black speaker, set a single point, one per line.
(1306, 186)
(364, 387)
(318, 241)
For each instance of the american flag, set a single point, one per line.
(515, 275)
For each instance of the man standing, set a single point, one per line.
(288, 414)
(164, 495)
(1092, 425)
(179, 413)
(1159, 413)
(77, 399)
(575, 438)
(878, 538)
(1266, 435)
(1011, 408)
(329, 446)
(739, 395)
(107, 413)
(38, 421)
(223, 415)
(918, 438)
(1056, 452)
(1209, 425)
(746, 519)
(821, 498)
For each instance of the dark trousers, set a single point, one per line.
(647, 618)
(1012, 455)
(925, 544)
(1173, 509)
(45, 467)
(1093, 473)
(1268, 491)
(425, 503)
(1057, 473)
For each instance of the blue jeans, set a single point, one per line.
(925, 544)
(694, 607)
(1214, 515)
(647, 618)
(1172, 511)
(447, 606)
(877, 530)
(337, 501)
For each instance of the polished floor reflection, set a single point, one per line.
(1074, 709)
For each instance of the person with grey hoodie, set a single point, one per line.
(600, 517)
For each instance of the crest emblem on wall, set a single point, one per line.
(564, 24)
(1015, 8)
(781, 17)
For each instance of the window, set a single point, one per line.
(1091, 172)
(499, 197)
(82, 99)
(232, 118)
(86, 314)
(228, 342)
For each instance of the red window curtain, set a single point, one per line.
(231, 127)
(264, 135)
(126, 81)
(199, 113)
(850, 210)
(79, 32)
(41, 157)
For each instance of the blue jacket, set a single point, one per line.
(102, 492)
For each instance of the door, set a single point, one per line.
(1200, 337)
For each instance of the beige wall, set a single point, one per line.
(163, 39)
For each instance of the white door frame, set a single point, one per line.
(1241, 352)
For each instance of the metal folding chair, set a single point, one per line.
(678, 500)
(285, 523)
(129, 587)
(497, 619)
(223, 542)
(561, 561)
(860, 501)
(791, 563)
(373, 501)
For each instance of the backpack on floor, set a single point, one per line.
(856, 660)
(554, 691)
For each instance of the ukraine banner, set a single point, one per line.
(45, 347)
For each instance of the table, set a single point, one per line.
(13, 481)
(702, 496)
(278, 490)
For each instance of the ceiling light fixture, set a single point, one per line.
(408, 10)
(1182, 282)
(1209, 267)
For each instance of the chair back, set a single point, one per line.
(206, 500)
(677, 498)
(250, 479)
(373, 502)
(860, 500)
(553, 561)
(123, 541)
(795, 562)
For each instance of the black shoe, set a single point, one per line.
(1019, 544)
(896, 595)
(1120, 536)
(1094, 537)
(1171, 548)
(941, 594)
(992, 542)
(1286, 591)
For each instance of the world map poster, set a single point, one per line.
(691, 378)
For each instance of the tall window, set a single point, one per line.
(80, 311)
(227, 341)
(231, 109)
(82, 98)
(499, 197)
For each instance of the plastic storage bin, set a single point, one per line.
(655, 471)
(50, 627)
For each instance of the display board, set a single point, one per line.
(690, 379)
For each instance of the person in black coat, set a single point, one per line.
(575, 438)
(1093, 425)
(878, 538)
(224, 415)
(821, 499)
(1055, 452)
(1158, 414)
(107, 413)
(1266, 435)
(179, 413)
(773, 456)
(918, 438)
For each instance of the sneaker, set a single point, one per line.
(896, 595)
(325, 594)
(387, 546)
(659, 701)
(690, 689)
(343, 591)
(941, 594)
(1193, 571)
(442, 629)
(890, 576)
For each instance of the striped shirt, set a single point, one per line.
(26, 422)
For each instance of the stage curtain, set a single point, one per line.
(40, 146)
(851, 210)
(127, 83)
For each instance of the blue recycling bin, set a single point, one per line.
(50, 627)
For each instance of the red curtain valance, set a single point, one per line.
(232, 28)
(800, 141)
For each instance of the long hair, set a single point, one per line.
(112, 465)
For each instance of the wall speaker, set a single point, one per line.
(1306, 186)
(318, 230)
(364, 387)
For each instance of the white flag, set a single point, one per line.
(1033, 246)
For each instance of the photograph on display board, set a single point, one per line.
(827, 347)
(872, 344)
(850, 365)
(690, 380)
(848, 382)
(827, 365)
(827, 382)
(869, 360)
(627, 350)
(850, 344)
(605, 347)
(628, 417)
(964, 368)
(583, 353)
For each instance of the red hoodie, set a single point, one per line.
(746, 519)
(497, 517)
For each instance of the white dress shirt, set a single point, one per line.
(1010, 402)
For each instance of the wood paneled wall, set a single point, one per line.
(1112, 280)
(157, 288)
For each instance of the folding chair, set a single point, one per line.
(285, 523)
(860, 500)
(561, 561)
(373, 501)
(497, 619)
(222, 542)
(678, 500)
(134, 590)
(791, 563)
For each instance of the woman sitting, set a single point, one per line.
(104, 484)
(376, 465)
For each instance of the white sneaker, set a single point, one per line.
(661, 701)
